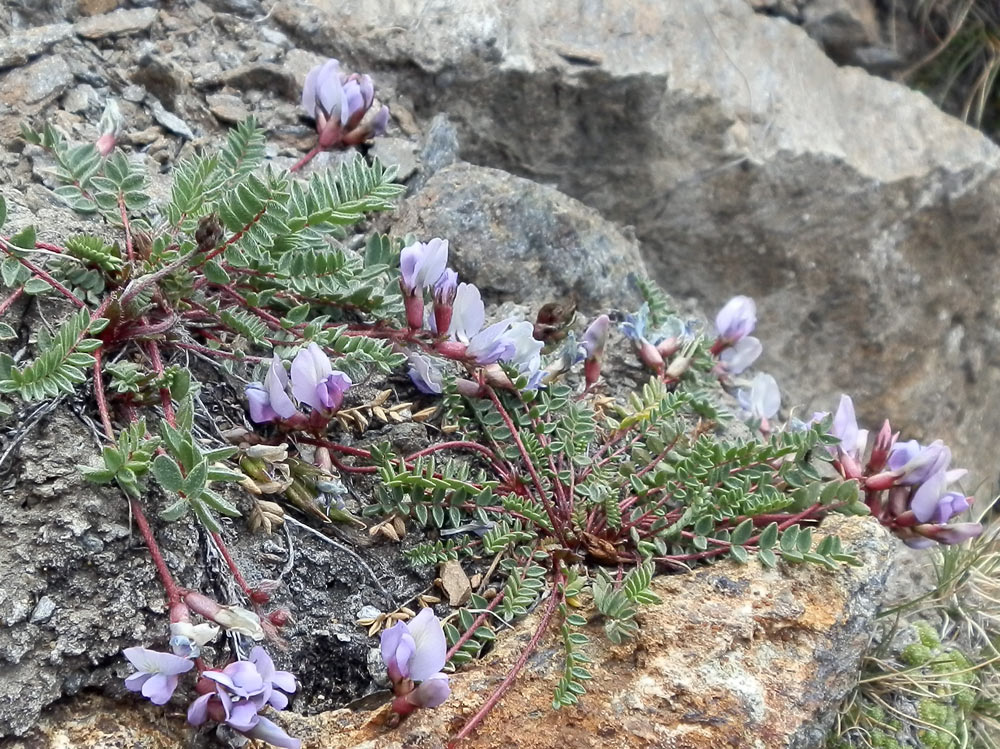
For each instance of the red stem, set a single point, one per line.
(233, 239)
(173, 592)
(9, 301)
(305, 159)
(129, 251)
(168, 406)
(506, 684)
(44, 275)
(556, 526)
(237, 575)
(102, 401)
(473, 627)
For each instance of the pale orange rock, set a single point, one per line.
(734, 656)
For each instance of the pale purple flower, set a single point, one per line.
(524, 350)
(315, 382)
(490, 345)
(272, 733)
(595, 337)
(634, 326)
(157, 673)
(737, 358)
(421, 264)
(426, 373)
(323, 93)
(339, 103)
(915, 464)
(444, 298)
(415, 649)
(736, 319)
(845, 428)
(243, 688)
(932, 503)
(955, 533)
(432, 692)
(446, 287)
(276, 683)
(763, 399)
(269, 400)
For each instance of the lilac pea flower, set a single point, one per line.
(276, 683)
(525, 351)
(323, 99)
(426, 374)
(490, 345)
(952, 534)
(432, 692)
(915, 464)
(157, 673)
(763, 400)
(736, 319)
(240, 678)
(845, 428)
(315, 382)
(198, 710)
(737, 358)
(272, 733)
(468, 313)
(415, 649)
(269, 400)
(421, 264)
(634, 326)
(595, 337)
(444, 299)
(932, 503)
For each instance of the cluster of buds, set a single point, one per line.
(342, 106)
(457, 320)
(734, 345)
(673, 341)
(414, 653)
(906, 483)
(314, 383)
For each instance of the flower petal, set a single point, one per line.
(270, 732)
(430, 646)
(198, 711)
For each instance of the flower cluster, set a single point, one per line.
(236, 694)
(314, 382)
(342, 106)
(917, 477)
(457, 318)
(415, 651)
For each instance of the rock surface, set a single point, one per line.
(747, 162)
(734, 656)
(523, 242)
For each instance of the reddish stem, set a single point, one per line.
(173, 592)
(305, 159)
(556, 526)
(168, 406)
(129, 251)
(474, 626)
(9, 301)
(45, 276)
(237, 575)
(102, 401)
(506, 684)
(233, 239)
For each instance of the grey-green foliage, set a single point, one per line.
(240, 257)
